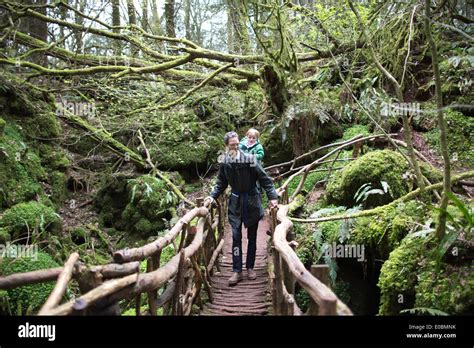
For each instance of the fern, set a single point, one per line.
(423, 310)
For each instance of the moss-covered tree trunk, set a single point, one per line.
(441, 227)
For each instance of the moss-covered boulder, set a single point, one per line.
(447, 288)
(372, 168)
(20, 169)
(150, 205)
(460, 138)
(381, 233)
(27, 218)
(28, 143)
(111, 199)
(139, 205)
(358, 129)
(26, 299)
(398, 277)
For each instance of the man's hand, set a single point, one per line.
(208, 200)
(273, 203)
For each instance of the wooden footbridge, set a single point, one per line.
(194, 281)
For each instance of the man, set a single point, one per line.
(242, 172)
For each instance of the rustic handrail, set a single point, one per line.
(285, 257)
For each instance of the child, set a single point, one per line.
(250, 144)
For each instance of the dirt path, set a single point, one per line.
(248, 297)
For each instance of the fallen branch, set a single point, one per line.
(382, 208)
(55, 297)
(155, 171)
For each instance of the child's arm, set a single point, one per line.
(259, 152)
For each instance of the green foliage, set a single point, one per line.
(460, 138)
(374, 168)
(58, 187)
(2, 126)
(30, 218)
(355, 130)
(302, 299)
(342, 290)
(149, 203)
(26, 300)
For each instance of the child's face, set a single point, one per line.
(251, 139)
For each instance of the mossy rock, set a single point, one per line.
(278, 149)
(140, 205)
(111, 199)
(371, 168)
(27, 299)
(357, 129)
(398, 276)
(384, 231)
(447, 288)
(20, 169)
(460, 138)
(25, 218)
(150, 201)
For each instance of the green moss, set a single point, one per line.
(255, 99)
(4, 235)
(2, 126)
(27, 299)
(355, 130)
(149, 203)
(373, 168)
(25, 218)
(398, 277)
(53, 157)
(20, 169)
(384, 231)
(449, 289)
(460, 138)
(142, 206)
(433, 174)
(58, 187)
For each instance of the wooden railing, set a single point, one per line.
(286, 269)
(182, 277)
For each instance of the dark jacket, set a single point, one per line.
(242, 178)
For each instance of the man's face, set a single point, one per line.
(233, 146)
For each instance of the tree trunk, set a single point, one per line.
(39, 30)
(145, 24)
(236, 16)
(117, 47)
(441, 227)
(132, 19)
(169, 16)
(187, 19)
(80, 6)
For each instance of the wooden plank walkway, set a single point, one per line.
(248, 297)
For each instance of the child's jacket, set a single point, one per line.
(256, 149)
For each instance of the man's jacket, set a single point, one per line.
(245, 202)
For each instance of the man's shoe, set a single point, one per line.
(236, 277)
(252, 275)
